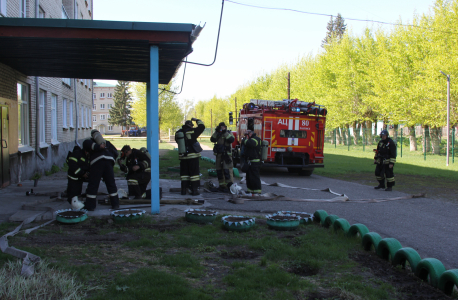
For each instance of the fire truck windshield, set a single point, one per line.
(298, 134)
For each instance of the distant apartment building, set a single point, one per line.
(103, 102)
(44, 117)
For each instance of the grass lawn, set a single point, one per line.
(412, 173)
(148, 258)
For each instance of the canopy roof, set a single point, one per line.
(93, 49)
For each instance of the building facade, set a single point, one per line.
(46, 117)
(103, 102)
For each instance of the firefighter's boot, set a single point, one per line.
(184, 186)
(381, 185)
(389, 189)
(195, 185)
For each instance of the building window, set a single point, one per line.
(41, 13)
(109, 95)
(94, 118)
(64, 13)
(110, 127)
(108, 116)
(94, 96)
(102, 95)
(3, 8)
(71, 114)
(23, 9)
(110, 106)
(86, 119)
(53, 118)
(94, 107)
(82, 117)
(67, 81)
(41, 117)
(102, 117)
(23, 113)
(64, 113)
(102, 106)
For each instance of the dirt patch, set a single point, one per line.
(238, 254)
(411, 287)
(59, 239)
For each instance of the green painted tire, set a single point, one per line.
(329, 221)
(387, 248)
(341, 224)
(236, 172)
(406, 254)
(194, 216)
(448, 280)
(283, 225)
(356, 229)
(238, 226)
(369, 239)
(129, 216)
(72, 220)
(432, 267)
(320, 216)
(212, 172)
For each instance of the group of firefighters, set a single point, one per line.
(94, 163)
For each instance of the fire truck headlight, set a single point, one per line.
(298, 109)
(290, 149)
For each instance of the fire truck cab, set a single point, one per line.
(293, 129)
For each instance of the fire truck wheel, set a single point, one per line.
(305, 172)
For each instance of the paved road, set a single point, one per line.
(428, 225)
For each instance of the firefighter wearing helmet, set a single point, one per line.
(102, 156)
(138, 170)
(223, 140)
(189, 153)
(252, 154)
(385, 158)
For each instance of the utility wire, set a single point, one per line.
(328, 15)
(182, 82)
(217, 41)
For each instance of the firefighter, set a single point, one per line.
(138, 168)
(189, 160)
(385, 158)
(223, 139)
(78, 172)
(102, 157)
(252, 154)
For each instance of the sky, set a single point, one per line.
(253, 41)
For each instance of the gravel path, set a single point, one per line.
(428, 225)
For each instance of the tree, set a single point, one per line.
(120, 112)
(170, 115)
(335, 30)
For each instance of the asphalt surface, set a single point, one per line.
(428, 225)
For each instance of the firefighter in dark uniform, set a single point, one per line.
(223, 139)
(78, 172)
(385, 158)
(189, 162)
(138, 169)
(252, 154)
(102, 158)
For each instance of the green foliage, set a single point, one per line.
(170, 114)
(36, 176)
(54, 169)
(120, 113)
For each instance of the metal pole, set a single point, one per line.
(152, 117)
(236, 115)
(289, 86)
(211, 119)
(348, 139)
(424, 144)
(448, 119)
(335, 137)
(364, 144)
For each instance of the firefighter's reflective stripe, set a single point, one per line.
(114, 194)
(77, 171)
(72, 178)
(188, 134)
(91, 196)
(82, 158)
(189, 156)
(72, 158)
(132, 182)
(185, 178)
(255, 160)
(102, 157)
(390, 179)
(392, 160)
(194, 178)
(386, 161)
(148, 170)
(199, 122)
(379, 178)
(254, 191)
(93, 146)
(144, 196)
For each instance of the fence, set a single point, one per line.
(409, 140)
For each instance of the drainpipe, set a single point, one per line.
(37, 122)
(77, 120)
(37, 8)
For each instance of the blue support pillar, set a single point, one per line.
(152, 120)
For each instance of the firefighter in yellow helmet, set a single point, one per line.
(385, 158)
(223, 140)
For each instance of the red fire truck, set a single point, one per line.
(293, 129)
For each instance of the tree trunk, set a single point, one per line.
(395, 132)
(368, 132)
(344, 136)
(435, 140)
(347, 135)
(428, 140)
(332, 136)
(355, 133)
(413, 138)
(338, 136)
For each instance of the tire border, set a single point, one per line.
(406, 254)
